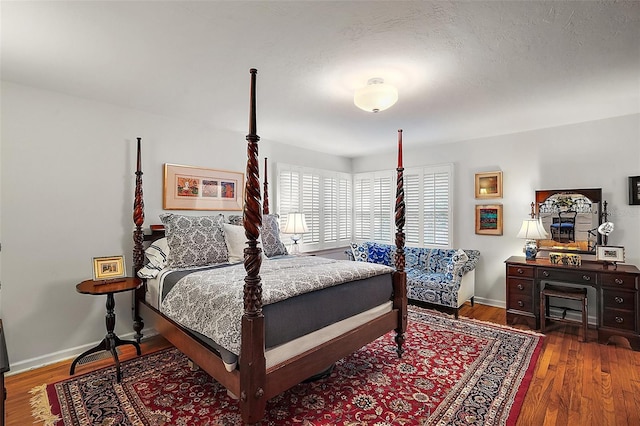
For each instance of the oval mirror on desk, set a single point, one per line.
(571, 218)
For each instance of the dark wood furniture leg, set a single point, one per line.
(110, 341)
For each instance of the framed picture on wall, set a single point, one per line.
(489, 219)
(197, 188)
(489, 185)
(634, 190)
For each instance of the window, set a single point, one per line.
(427, 203)
(434, 199)
(374, 195)
(325, 198)
(340, 207)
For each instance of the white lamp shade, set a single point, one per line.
(376, 96)
(532, 230)
(541, 226)
(296, 224)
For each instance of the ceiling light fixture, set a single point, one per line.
(376, 96)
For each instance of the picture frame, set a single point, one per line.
(199, 188)
(108, 268)
(488, 185)
(489, 219)
(610, 254)
(634, 190)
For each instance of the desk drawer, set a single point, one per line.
(567, 276)
(618, 280)
(520, 271)
(618, 299)
(520, 302)
(622, 320)
(520, 286)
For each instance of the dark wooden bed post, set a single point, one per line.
(400, 276)
(252, 358)
(265, 202)
(138, 241)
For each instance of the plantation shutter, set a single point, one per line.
(344, 203)
(362, 207)
(330, 207)
(413, 209)
(311, 207)
(382, 208)
(437, 207)
(325, 198)
(288, 194)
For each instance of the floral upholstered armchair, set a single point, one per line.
(443, 278)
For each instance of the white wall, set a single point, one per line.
(67, 195)
(596, 154)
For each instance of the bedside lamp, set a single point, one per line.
(296, 226)
(532, 230)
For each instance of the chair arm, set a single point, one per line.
(456, 266)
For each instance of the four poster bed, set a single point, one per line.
(266, 367)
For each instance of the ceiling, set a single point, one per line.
(463, 69)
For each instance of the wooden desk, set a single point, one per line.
(617, 294)
(110, 341)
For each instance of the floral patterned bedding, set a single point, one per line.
(211, 301)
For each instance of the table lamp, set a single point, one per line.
(296, 226)
(532, 230)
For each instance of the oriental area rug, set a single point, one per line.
(452, 372)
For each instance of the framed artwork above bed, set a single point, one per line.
(197, 188)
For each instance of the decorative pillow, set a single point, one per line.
(412, 256)
(436, 260)
(236, 242)
(474, 257)
(271, 244)
(456, 265)
(195, 240)
(235, 219)
(360, 251)
(380, 253)
(157, 254)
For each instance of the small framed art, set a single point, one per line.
(197, 188)
(611, 254)
(489, 185)
(634, 190)
(108, 268)
(489, 219)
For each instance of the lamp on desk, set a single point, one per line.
(296, 226)
(532, 230)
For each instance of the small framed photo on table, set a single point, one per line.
(108, 268)
(610, 254)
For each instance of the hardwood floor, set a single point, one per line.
(573, 383)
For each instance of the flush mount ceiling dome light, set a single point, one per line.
(376, 96)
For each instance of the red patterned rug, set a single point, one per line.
(452, 372)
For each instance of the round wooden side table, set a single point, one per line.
(110, 341)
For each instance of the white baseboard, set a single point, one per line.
(52, 358)
(490, 302)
